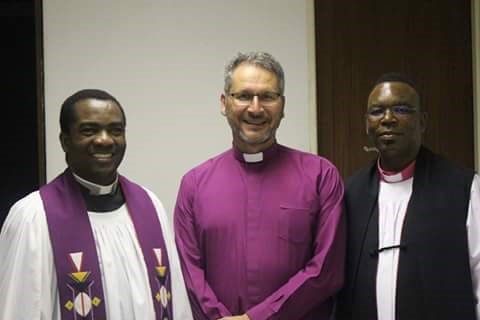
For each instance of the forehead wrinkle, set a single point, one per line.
(95, 122)
(393, 93)
(248, 76)
(95, 110)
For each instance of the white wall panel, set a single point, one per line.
(164, 62)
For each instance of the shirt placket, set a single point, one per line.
(253, 228)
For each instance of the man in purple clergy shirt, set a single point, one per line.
(259, 228)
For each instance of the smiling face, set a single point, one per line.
(253, 124)
(395, 123)
(95, 143)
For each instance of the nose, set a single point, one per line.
(388, 117)
(103, 138)
(255, 106)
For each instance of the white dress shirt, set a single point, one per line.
(392, 205)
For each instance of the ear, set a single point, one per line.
(223, 108)
(64, 141)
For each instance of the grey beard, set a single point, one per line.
(265, 138)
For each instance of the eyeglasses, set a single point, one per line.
(244, 98)
(397, 111)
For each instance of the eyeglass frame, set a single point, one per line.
(399, 111)
(261, 97)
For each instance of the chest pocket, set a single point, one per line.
(295, 224)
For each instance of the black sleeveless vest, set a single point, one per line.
(434, 280)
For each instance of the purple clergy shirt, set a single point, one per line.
(266, 238)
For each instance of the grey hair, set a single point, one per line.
(261, 59)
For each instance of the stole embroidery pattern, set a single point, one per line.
(81, 302)
(163, 295)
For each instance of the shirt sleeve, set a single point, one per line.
(180, 302)
(473, 232)
(323, 274)
(28, 281)
(205, 304)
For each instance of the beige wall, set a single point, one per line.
(164, 62)
(476, 77)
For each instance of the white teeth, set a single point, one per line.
(102, 155)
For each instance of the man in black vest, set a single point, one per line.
(413, 221)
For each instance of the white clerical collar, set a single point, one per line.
(392, 177)
(97, 189)
(253, 157)
(259, 157)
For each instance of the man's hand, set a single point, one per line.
(242, 317)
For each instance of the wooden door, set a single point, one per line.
(357, 41)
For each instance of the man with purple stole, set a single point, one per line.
(259, 228)
(413, 221)
(90, 244)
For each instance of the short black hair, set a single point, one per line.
(67, 112)
(396, 77)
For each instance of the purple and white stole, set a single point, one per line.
(74, 251)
